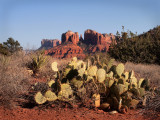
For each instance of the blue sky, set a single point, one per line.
(29, 21)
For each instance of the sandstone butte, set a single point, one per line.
(98, 41)
(69, 47)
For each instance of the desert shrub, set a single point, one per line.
(38, 59)
(10, 47)
(14, 78)
(138, 49)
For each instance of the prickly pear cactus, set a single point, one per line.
(39, 98)
(51, 82)
(126, 75)
(110, 83)
(81, 71)
(140, 82)
(66, 71)
(54, 66)
(110, 74)
(92, 71)
(101, 75)
(50, 96)
(65, 92)
(110, 63)
(77, 83)
(74, 59)
(141, 92)
(121, 88)
(120, 69)
(131, 74)
(109, 86)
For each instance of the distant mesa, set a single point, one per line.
(49, 43)
(71, 44)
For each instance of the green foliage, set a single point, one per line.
(11, 46)
(3, 50)
(144, 48)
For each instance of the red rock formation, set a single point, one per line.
(50, 43)
(99, 42)
(70, 36)
(66, 51)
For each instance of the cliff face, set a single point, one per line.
(49, 43)
(70, 37)
(99, 42)
(94, 38)
(66, 51)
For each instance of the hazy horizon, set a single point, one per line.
(30, 21)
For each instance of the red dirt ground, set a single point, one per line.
(70, 114)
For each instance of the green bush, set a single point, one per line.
(144, 48)
(10, 47)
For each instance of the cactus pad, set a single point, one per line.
(65, 92)
(74, 59)
(66, 71)
(51, 82)
(110, 63)
(110, 74)
(120, 69)
(110, 83)
(142, 92)
(81, 71)
(140, 82)
(126, 75)
(50, 96)
(92, 71)
(101, 75)
(54, 66)
(39, 98)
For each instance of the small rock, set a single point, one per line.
(113, 112)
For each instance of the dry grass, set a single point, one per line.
(151, 72)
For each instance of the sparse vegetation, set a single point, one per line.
(75, 84)
(14, 79)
